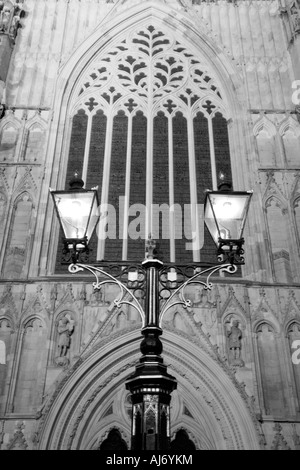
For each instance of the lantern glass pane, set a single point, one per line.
(78, 212)
(225, 214)
(210, 222)
(94, 218)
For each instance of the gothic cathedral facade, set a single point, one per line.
(150, 101)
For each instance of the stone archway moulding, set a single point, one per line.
(72, 412)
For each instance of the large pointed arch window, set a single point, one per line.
(149, 128)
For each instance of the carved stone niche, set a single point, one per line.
(294, 16)
(65, 328)
(234, 339)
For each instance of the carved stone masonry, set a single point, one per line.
(279, 442)
(65, 329)
(234, 338)
(18, 441)
(10, 17)
(294, 15)
(297, 109)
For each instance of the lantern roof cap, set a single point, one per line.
(225, 185)
(76, 183)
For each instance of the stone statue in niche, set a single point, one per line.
(15, 24)
(65, 329)
(96, 298)
(10, 18)
(234, 339)
(204, 308)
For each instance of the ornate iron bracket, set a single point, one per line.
(72, 252)
(206, 284)
(231, 251)
(124, 290)
(130, 280)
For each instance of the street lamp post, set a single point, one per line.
(163, 287)
(151, 385)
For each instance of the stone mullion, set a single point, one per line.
(127, 189)
(292, 244)
(8, 227)
(7, 217)
(193, 189)
(149, 178)
(87, 148)
(295, 231)
(280, 150)
(8, 211)
(171, 190)
(22, 141)
(14, 374)
(149, 160)
(268, 241)
(105, 180)
(30, 239)
(281, 355)
(259, 385)
(294, 240)
(212, 153)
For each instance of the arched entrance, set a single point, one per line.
(91, 400)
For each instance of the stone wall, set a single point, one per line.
(252, 49)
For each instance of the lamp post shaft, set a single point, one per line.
(152, 292)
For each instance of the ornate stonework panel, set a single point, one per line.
(154, 66)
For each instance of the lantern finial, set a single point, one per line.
(225, 183)
(76, 182)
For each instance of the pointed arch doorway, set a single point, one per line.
(91, 400)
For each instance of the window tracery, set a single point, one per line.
(150, 128)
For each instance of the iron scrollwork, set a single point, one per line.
(173, 280)
(177, 294)
(130, 290)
